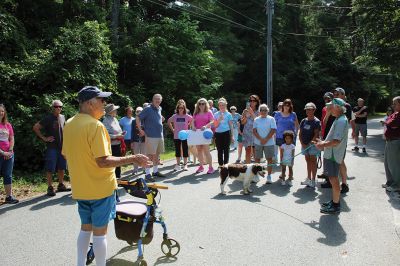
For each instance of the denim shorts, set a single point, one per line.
(6, 168)
(97, 212)
(54, 160)
(313, 151)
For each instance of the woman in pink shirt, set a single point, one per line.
(6, 154)
(202, 119)
(180, 121)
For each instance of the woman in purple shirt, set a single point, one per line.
(180, 121)
(286, 120)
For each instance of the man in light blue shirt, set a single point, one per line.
(126, 125)
(264, 129)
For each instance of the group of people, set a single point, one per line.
(95, 150)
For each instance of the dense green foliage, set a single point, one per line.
(208, 48)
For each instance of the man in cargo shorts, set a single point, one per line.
(151, 120)
(87, 148)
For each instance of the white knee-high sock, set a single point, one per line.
(83, 246)
(100, 250)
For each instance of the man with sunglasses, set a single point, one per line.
(53, 125)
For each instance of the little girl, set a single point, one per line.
(287, 157)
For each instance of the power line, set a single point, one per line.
(243, 15)
(323, 7)
(212, 19)
(309, 35)
(223, 18)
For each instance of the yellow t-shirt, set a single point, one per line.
(84, 140)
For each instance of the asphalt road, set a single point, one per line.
(275, 225)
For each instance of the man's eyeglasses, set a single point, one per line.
(251, 100)
(263, 110)
(57, 107)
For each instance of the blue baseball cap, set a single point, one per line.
(90, 92)
(337, 101)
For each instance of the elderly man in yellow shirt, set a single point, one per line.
(87, 148)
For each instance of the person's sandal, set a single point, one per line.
(50, 191)
(62, 188)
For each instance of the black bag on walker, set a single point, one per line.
(129, 221)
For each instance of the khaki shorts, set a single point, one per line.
(361, 128)
(154, 145)
(139, 148)
(268, 151)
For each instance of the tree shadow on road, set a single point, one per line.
(62, 201)
(330, 227)
(277, 189)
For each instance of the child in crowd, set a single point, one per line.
(287, 157)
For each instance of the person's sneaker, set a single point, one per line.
(50, 191)
(364, 150)
(210, 170)
(237, 161)
(283, 182)
(345, 188)
(330, 209)
(148, 178)
(289, 182)
(177, 168)
(385, 185)
(355, 148)
(11, 200)
(323, 176)
(62, 188)
(327, 184)
(158, 174)
(306, 182)
(326, 204)
(200, 169)
(269, 179)
(185, 168)
(311, 184)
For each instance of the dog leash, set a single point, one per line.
(300, 153)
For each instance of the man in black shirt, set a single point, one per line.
(361, 113)
(52, 125)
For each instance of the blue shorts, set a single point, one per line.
(97, 212)
(313, 151)
(54, 160)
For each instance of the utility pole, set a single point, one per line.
(269, 6)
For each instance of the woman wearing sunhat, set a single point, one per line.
(114, 130)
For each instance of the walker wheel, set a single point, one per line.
(170, 247)
(90, 255)
(141, 263)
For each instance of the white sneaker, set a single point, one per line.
(306, 182)
(185, 168)
(283, 182)
(177, 168)
(269, 179)
(311, 184)
(289, 182)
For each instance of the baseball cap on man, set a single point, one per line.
(340, 90)
(337, 101)
(90, 92)
(328, 95)
(310, 106)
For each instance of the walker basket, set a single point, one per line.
(129, 219)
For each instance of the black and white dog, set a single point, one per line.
(242, 172)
